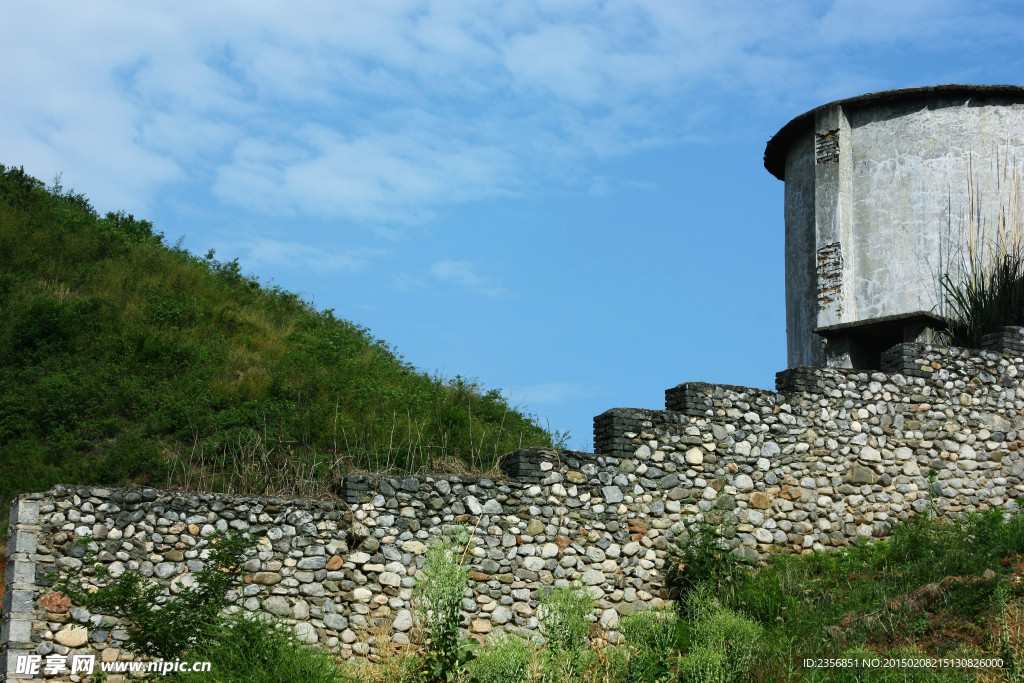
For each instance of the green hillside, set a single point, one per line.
(123, 359)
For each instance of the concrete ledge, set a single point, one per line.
(18, 601)
(21, 572)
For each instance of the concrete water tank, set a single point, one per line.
(876, 203)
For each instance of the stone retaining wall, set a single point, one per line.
(835, 455)
(335, 569)
(839, 453)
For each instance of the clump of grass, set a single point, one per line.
(388, 662)
(990, 297)
(252, 650)
(506, 658)
(985, 290)
(566, 618)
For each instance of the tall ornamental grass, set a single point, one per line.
(984, 288)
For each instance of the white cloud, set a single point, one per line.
(554, 393)
(404, 282)
(296, 255)
(376, 177)
(461, 274)
(382, 112)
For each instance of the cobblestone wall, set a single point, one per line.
(834, 455)
(838, 453)
(335, 569)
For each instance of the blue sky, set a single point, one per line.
(564, 198)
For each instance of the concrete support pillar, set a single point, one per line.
(833, 213)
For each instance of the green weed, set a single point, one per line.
(249, 650)
(165, 626)
(440, 586)
(506, 658)
(983, 286)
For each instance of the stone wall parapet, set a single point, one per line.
(836, 454)
(1006, 340)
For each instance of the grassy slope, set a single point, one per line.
(117, 352)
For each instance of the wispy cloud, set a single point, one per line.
(554, 393)
(380, 113)
(461, 274)
(296, 255)
(377, 177)
(404, 282)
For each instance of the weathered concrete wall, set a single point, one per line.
(912, 162)
(887, 189)
(802, 345)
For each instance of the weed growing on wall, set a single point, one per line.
(983, 286)
(438, 594)
(166, 622)
(506, 658)
(705, 556)
(565, 620)
(990, 297)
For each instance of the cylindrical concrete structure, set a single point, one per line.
(876, 202)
